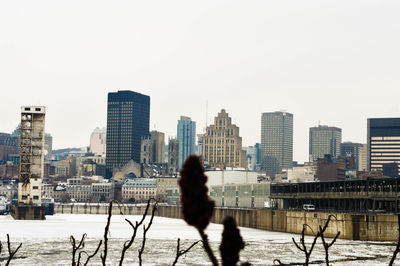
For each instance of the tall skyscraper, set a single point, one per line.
(222, 145)
(276, 141)
(128, 117)
(186, 138)
(383, 143)
(31, 155)
(324, 140)
(98, 141)
(352, 149)
(158, 146)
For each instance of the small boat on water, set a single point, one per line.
(3, 205)
(48, 203)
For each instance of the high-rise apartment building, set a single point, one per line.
(276, 141)
(222, 145)
(352, 149)
(98, 141)
(31, 155)
(158, 146)
(324, 140)
(186, 138)
(383, 143)
(128, 117)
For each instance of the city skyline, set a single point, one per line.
(249, 69)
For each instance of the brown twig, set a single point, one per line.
(135, 227)
(397, 250)
(76, 247)
(207, 248)
(10, 252)
(89, 257)
(107, 230)
(180, 252)
(303, 247)
(145, 229)
(327, 245)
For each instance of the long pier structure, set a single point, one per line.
(353, 226)
(350, 196)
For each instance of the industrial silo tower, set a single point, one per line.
(31, 163)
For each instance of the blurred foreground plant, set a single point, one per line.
(198, 210)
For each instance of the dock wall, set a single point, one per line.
(373, 227)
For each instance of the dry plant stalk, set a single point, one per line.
(180, 252)
(11, 253)
(324, 243)
(303, 246)
(231, 244)
(106, 232)
(81, 245)
(135, 227)
(89, 257)
(197, 207)
(76, 247)
(145, 229)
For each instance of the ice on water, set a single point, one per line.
(47, 242)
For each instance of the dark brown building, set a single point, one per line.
(337, 169)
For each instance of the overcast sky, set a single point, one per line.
(337, 62)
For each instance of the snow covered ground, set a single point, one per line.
(47, 242)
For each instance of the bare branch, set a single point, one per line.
(182, 252)
(107, 230)
(135, 227)
(324, 244)
(10, 252)
(307, 253)
(297, 246)
(76, 247)
(93, 254)
(145, 229)
(79, 257)
(334, 239)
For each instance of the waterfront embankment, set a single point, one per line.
(370, 227)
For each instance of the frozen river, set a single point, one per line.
(47, 242)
